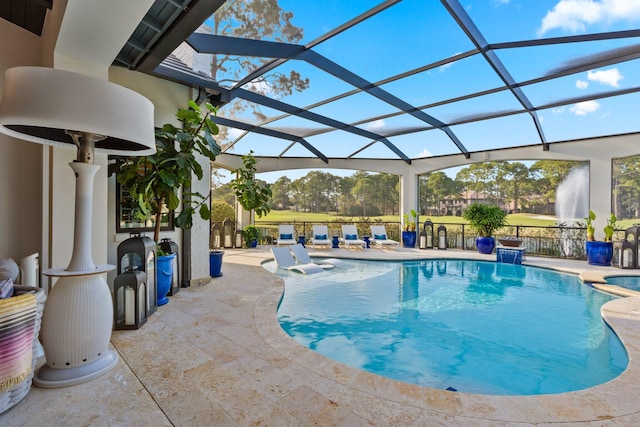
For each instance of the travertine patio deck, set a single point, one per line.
(216, 355)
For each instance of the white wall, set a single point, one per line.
(20, 161)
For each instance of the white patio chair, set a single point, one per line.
(286, 235)
(302, 257)
(350, 237)
(320, 236)
(284, 259)
(379, 237)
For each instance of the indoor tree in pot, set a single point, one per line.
(156, 181)
(252, 194)
(485, 220)
(251, 235)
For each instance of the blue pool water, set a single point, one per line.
(473, 326)
(629, 282)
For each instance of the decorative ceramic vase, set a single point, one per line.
(485, 245)
(409, 239)
(599, 253)
(165, 274)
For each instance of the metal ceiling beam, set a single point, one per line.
(567, 39)
(473, 33)
(287, 108)
(215, 44)
(269, 132)
(370, 88)
(358, 19)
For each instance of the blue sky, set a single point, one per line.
(413, 33)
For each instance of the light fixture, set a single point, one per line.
(65, 109)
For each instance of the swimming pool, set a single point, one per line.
(628, 282)
(471, 326)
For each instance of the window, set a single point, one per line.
(126, 219)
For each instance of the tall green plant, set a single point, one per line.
(590, 230)
(484, 219)
(155, 181)
(610, 228)
(251, 194)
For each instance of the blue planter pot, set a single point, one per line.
(599, 253)
(165, 274)
(215, 263)
(409, 239)
(485, 245)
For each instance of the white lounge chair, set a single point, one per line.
(302, 257)
(286, 235)
(379, 237)
(320, 236)
(284, 259)
(350, 236)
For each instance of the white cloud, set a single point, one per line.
(234, 133)
(584, 108)
(499, 2)
(610, 77)
(576, 15)
(424, 153)
(581, 84)
(558, 110)
(375, 125)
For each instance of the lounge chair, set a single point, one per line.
(320, 236)
(286, 235)
(350, 236)
(284, 259)
(302, 257)
(379, 237)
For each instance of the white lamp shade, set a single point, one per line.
(40, 104)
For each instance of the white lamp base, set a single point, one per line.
(48, 377)
(76, 330)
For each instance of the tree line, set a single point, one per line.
(516, 186)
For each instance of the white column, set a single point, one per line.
(600, 170)
(408, 193)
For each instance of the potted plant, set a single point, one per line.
(485, 220)
(409, 229)
(253, 195)
(161, 182)
(600, 252)
(251, 235)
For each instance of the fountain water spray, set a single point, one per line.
(572, 205)
(572, 196)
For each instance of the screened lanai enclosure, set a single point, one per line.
(397, 79)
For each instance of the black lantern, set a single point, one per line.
(631, 236)
(139, 252)
(442, 237)
(426, 235)
(131, 299)
(238, 243)
(624, 255)
(171, 247)
(227, 233)
(216, 235)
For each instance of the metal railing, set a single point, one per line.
(551, 241)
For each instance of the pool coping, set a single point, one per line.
(596, 404)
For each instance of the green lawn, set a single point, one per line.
(290, 216)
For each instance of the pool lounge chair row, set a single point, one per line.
(350, 238)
